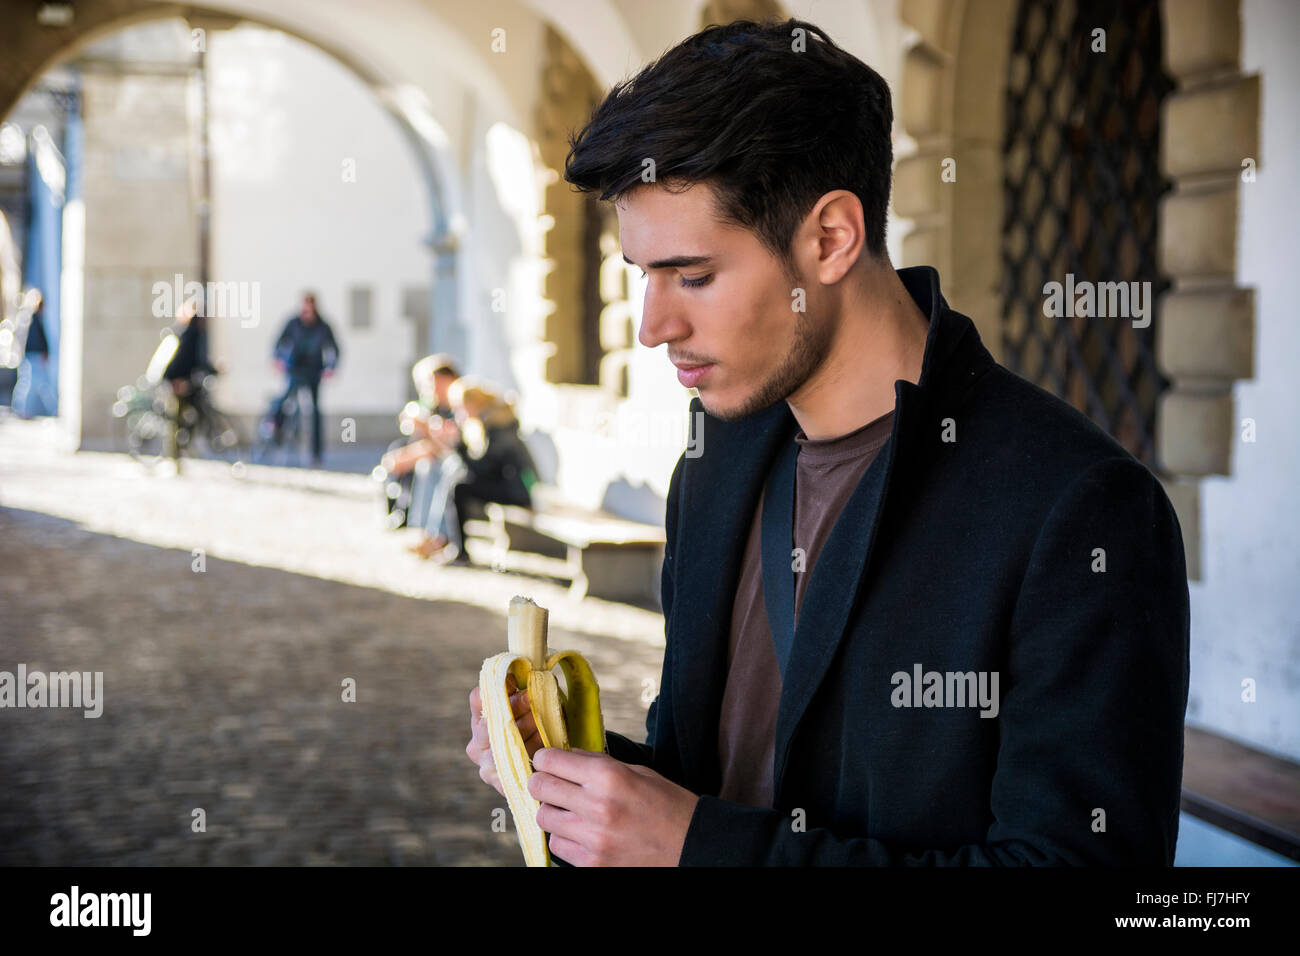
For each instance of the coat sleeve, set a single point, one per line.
(184, 361)
(330, 358)
(284, 344)
(1090, 736)
(623, 748)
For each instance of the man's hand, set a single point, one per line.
(449, 433)
(479, 749)
(603, 812)
(327, 373)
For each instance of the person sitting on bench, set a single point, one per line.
(414, 465)
(491, 463)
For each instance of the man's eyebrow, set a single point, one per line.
(675, 262)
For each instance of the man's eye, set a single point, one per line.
(689, 283)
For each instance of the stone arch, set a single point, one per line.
(94, 21)
(1206, 335)
(429, 148)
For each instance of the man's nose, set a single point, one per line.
(660, 321)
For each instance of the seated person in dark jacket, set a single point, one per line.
(492, 464)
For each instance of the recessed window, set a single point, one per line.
(360, 303)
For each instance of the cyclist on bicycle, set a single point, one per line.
(185, 373)
(306, 352)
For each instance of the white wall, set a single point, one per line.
(1246, 610)
(284, 118)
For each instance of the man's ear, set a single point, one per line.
(840, 234)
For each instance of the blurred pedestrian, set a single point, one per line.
(34, 392)
(306, 352)
(415, 466)
(491, 463)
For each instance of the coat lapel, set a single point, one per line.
(836, 578)
(719, 491)
(841, 567)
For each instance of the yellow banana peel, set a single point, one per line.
(571, 721)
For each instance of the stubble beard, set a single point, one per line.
(812, 343)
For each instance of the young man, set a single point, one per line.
(918, 610)
(306, 352)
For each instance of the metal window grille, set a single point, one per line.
(1082, 189)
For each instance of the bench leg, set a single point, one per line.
(500, 536)
(578, 587)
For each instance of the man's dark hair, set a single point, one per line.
(772, 127)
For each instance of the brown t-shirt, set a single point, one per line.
(827, 473)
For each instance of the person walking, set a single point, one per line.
(307, 353)
(34, 392)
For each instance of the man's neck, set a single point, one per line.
(880, 339)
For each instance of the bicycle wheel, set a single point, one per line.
(223, 437)
(290, 437)
(147, 435)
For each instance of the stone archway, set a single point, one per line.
(1209, 135)
(85, 396)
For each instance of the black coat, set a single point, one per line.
(968, 555)
(37, 343)
(307, 350)
(506, 471)
(191, 356)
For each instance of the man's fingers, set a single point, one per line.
(557, 792)
(523, 714)
(519, 702)
(558, 821)
(480, 747)
(489, 776)
(533, 743)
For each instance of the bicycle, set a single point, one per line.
(280, 431)
(148, 413)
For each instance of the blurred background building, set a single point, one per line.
(402, 158)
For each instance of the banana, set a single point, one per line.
(571, 722)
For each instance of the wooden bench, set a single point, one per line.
(599, 553)
(1247, 792)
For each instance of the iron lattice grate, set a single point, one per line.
(1082, 190)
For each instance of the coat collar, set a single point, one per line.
(719, 492)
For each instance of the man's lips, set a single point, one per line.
(691, 375)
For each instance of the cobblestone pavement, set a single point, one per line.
(223, 687)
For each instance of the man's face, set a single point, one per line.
(308, 311)
(740, 319)
(440, 385)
